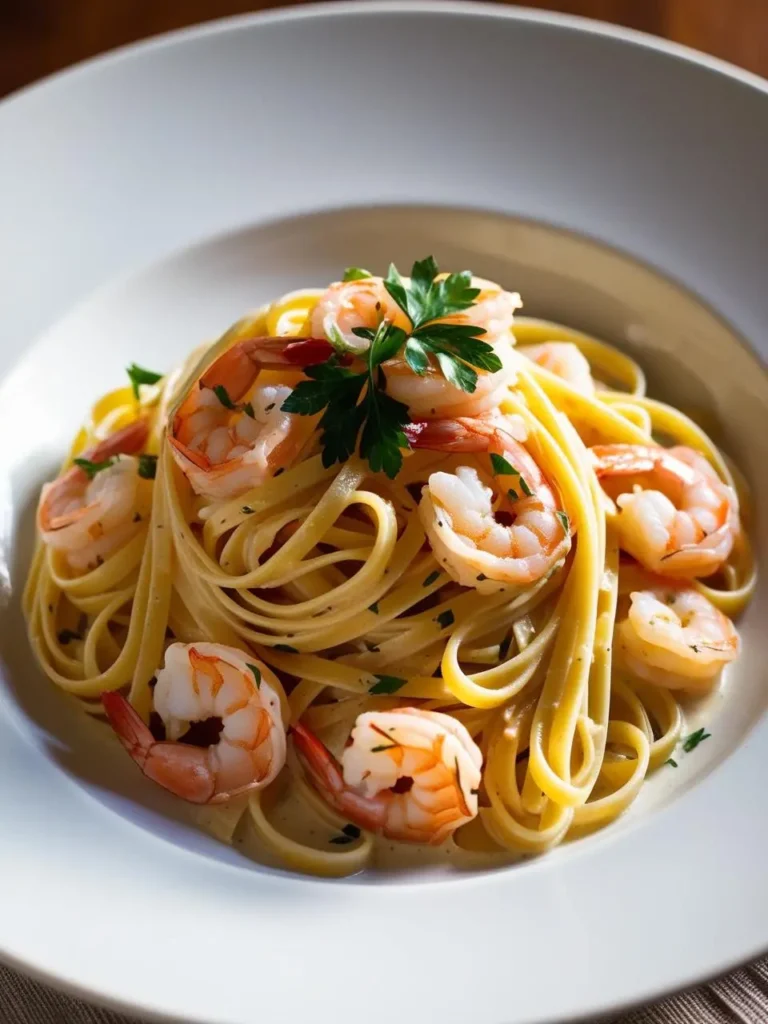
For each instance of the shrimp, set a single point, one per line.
(88, 516)
(674, 637)
(365, 303)
(410, 775)
(483, 541)
(677, 516)
(200, 682)
(565, 360)
(431, 396)
(230, 433)
(346, 305)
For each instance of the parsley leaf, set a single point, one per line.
(256, 673)
(446, 618)
(671, 761)
(138, 375)
(286, 648)
(92, 468)
(692, 741)
(147, 466)
(223, 396)
(352, 831)
(355, 405)
(564, 522)
(355, 274)
(431, 578)
(387, 684)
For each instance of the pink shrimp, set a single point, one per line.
(200, 682)
(230, 433)
(677, 516)
(88, 513)
(409, 774)
(483, 540)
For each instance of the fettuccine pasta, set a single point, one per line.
(389, 564)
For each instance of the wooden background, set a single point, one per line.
(41, 36)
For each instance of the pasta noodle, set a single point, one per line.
(328, 577)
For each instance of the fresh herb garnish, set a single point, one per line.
(386, 684)
(374, 608)
(481, 577)
(248, 410)
(455, 347)
(352, 831)
(431, 578)
(445, 618)
(147, 466)
(564, 522)
(671, 761)
(223, 396)
(384, 746)
(286, 648)
(256, 673)
(247, 510)
(692, 741)
(355, 274)
(66, 635)
(356, 410)
(356, 405)
(138, 375)
(501, 467)
(92, 468)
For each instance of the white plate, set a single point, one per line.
(197, 172)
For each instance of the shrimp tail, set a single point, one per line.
(180, 768)
(238, 367)
(321, 765)
(127, 441)
(326, 776)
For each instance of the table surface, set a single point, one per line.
(38, 37)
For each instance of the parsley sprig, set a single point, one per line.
(455, 347)
(356, 404)
(358, 414)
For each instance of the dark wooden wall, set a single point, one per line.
(41, 36)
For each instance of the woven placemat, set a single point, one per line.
(740, 997)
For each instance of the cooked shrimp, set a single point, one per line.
(365, 303)
(482, 540)
(201, 682)
(230, 433)
(431, 396)
(565, 360)
(677, 516)
(87, 517)
(674, 637)
(409, 775)
(349, 304)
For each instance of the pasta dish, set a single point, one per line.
(390, 564)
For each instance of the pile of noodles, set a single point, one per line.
(326, 575)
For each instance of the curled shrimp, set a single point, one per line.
(87, 516)
(346, 305)
(230, 433)
(410, 775)
(674, 637)
(565, 360)
(677, 516)
(483, 540)
(201, 682)
(365, 303)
